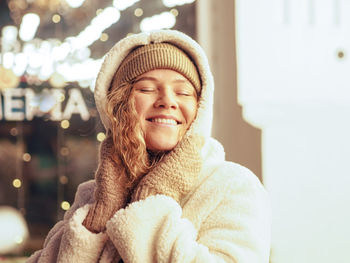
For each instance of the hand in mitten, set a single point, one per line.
(111, 192)
(176, 173)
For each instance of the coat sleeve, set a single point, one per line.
(236, 230)
(69, 240)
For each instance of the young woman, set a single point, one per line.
(163, 191)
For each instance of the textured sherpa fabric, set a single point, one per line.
(221, 215)
(225, 218)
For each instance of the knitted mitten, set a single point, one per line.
(111, 192)
(175, 174)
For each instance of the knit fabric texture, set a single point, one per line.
(156, 56)
(111, 193)
(176, 174)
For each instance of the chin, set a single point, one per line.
(161, 146)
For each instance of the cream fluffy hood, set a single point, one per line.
(203, 122)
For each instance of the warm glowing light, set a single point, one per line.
(61, 52)
(27, 157)
(174, 11)
(56, 18)
(65, 124)
(29, 25)
(101, 136)
(61, 97)
(63, 179)
(124, 4)
(92, 32)
(9, 36)
(18, 239)
(65, 205)
(17, 183)
(13, 230)
(163, 20)
(75, 3)
(8, 60)
(14, 131)
(104, 37)
(57, 81)
(172, 3)
(44, 101)
(64, 151)
(138, 12)
(20, 65)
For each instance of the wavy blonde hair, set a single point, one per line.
(128, 138)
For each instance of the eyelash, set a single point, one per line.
(146, 89)
(184, 93)
(180, 93)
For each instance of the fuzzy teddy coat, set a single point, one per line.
(225, 217)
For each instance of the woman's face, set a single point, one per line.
(166, 104)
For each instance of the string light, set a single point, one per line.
(101, 136)
(92, 32)
(8, 60)
(18, 239)
(29, 25)
(13, 229)
(104, 37)
(163, 20)
(17, 183)
(44, 66)
(56, 18)
(65, 124)
(65, 205)
(64, 151)
(138, 12)
(14, 132)
(124, 4)
(75, 3)
(9, 37)
(27, 157)
(61, 97)
(172, 3)
(174, 11)
(63, 179)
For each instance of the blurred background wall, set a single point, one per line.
(293, 83)
(281, 106)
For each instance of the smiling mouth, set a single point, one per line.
(164, 121)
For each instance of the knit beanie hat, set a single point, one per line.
(156, 56)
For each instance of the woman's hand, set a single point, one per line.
(111, 191)
(176, 174)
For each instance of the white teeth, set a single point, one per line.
(166, 121)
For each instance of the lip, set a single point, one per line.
(170, 117)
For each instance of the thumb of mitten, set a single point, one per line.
(110, 191)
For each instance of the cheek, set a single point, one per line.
(140, 104)
(191, 112)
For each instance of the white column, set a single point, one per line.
(216, 34)
(293, 83)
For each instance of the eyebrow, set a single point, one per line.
(156, 80)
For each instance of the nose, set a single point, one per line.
(167, 100)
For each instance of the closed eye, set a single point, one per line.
(184, 93)
(146, 89)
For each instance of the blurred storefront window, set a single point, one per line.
(50, 53)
